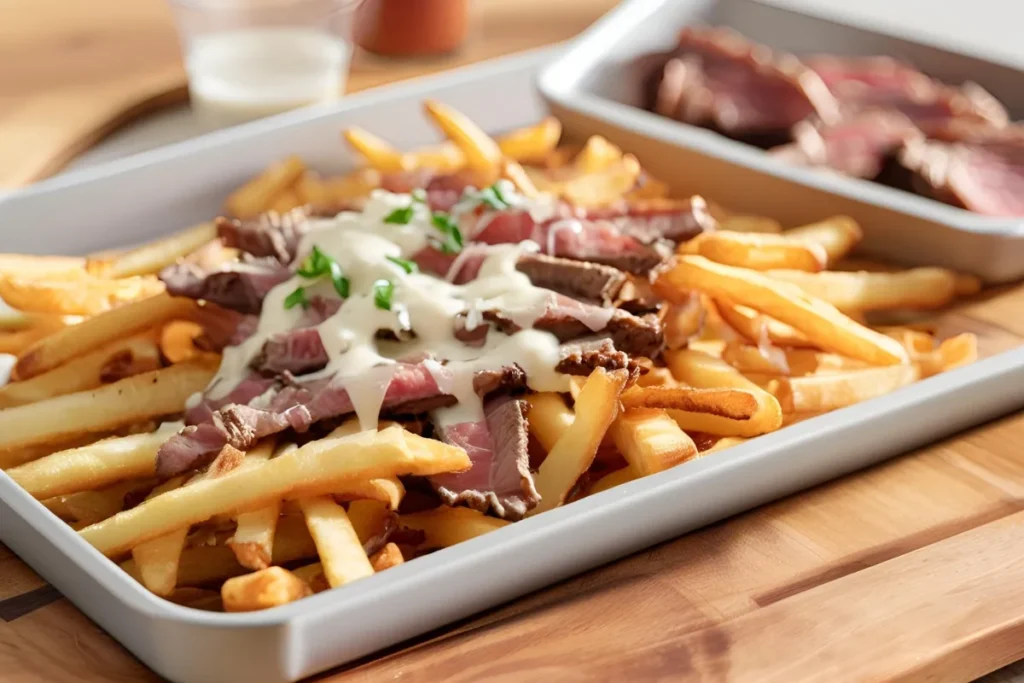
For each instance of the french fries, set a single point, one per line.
(74, 294)
(613, 479)
(532, 144)
(758, 251)
(151, 258)
(795, 362)
(316, 468)
(759, 328)
(157, 559)
(837, 236)
(140, 397)
(340, 550)
(387, 557)
(482, 153)
(549, 418)
(75, 341)
(23, 264)
(740, 223)
(264, 589)
(597, 155)
(820, 393)
(253, 540)
(257, 195)
(820, 321)
(378, 152)
(445, 526)
(651, 441)
(735, 404)
(572, 454)
(917, 288)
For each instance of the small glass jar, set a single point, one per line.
(412, 28)
(247, 59)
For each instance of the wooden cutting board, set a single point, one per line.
(73, 71)
(910, 571)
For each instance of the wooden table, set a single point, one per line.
(910, 570)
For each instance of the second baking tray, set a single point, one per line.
(156, 192)
(597, 86)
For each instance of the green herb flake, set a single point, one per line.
(400, 216)
(341, 283)
(492, 197)
(316, 264)
(297, 298)
(452, 236)
(419, 195)
(409, 267)
(383, 292)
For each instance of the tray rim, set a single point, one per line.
(559, 84)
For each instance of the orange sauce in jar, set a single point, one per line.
(412, 28)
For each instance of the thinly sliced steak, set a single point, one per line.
(589, 282)
(272, 234)
(654, 219)
(237, 286)
(499, 479)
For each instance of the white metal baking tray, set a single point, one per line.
(597, 84)
(155, 192)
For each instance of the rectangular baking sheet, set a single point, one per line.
(597, 85)
(147, 195)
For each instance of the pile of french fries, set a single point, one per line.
(764, 328)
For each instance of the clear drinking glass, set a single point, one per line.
(252, 58)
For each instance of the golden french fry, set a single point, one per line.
(683, 321)
(157, 559)
(379, 153)
(177, 342)
(264, 589)
(89, 507)
(109, 363)
(532, 144)
(482, 153)
(548, 418)
(387, 490)
(284, 201)
(758, 251)
(820, 321)
(597, 155)
(724, 443)
(738, 223)
(820, 393)
(369, 518)
(94, 466)
(19, 342)
(656, 376)
(967, 285)
(39, 266)
(512, 171)
(650, 440)
(387, 557)
(446, 526)
(573, 453)
(341, 552)
(702, 370)
(837, 235)
(313, 576)
(446, 157)
(916, 288)
(735, 404)
(603, 187)
(319, 467)
(647, 188)
(613, 479)
(140, 397)
(255, 197)
(75, 341)
(253, 540)
(795, 362)
(759, 328)
(78, 295)
(152, 257)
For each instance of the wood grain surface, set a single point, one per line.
(908, 571)
(73, 71)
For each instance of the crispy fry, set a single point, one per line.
(255, 197)
(313, 575)
(341, 552)
(264, 589)
(683, 321)
(613, 479)
(445, 526)
(77, 295)
(795, 362)
(701, 370)
(837, 235)
(89, 507)
(532, 144)
(20, 341)
(36, 266)
(109, 363)
(758, 251)
(738, 223)
(656, 376)
(379, 153)
(177, 342)
(597, 155)
(604, 187)
(512, 171)
(967, 285)
(284, 201)
(820, 393)
(75, 341)
(548, 417)
(253, 540)
(316, 468)
(387, 490)
(820, 321)
(735, 404)
(482, 153)
(387, 557)
(90, 467)
(152, 257)
(917, 288)
(758, 328)
(572, 454)
(157, 559)
(140, 397)
(369, 518)
(650, 440)
(647, 188)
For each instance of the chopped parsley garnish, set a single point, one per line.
(297, 298)
(403, 215)
(451, 242)
(409, 267)
(383, 291)
(419, 195)
(317, 265)
(492, 197)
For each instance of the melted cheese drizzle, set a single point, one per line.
(361, 244)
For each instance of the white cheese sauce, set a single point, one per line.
(362, 244)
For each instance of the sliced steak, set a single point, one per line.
(272, 235)
(582, 358)
(590, 282)
(296, 352)
(237, 286)
(499, 478)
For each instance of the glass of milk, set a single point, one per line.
(247, 59)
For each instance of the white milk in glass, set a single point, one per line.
(237, 76)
